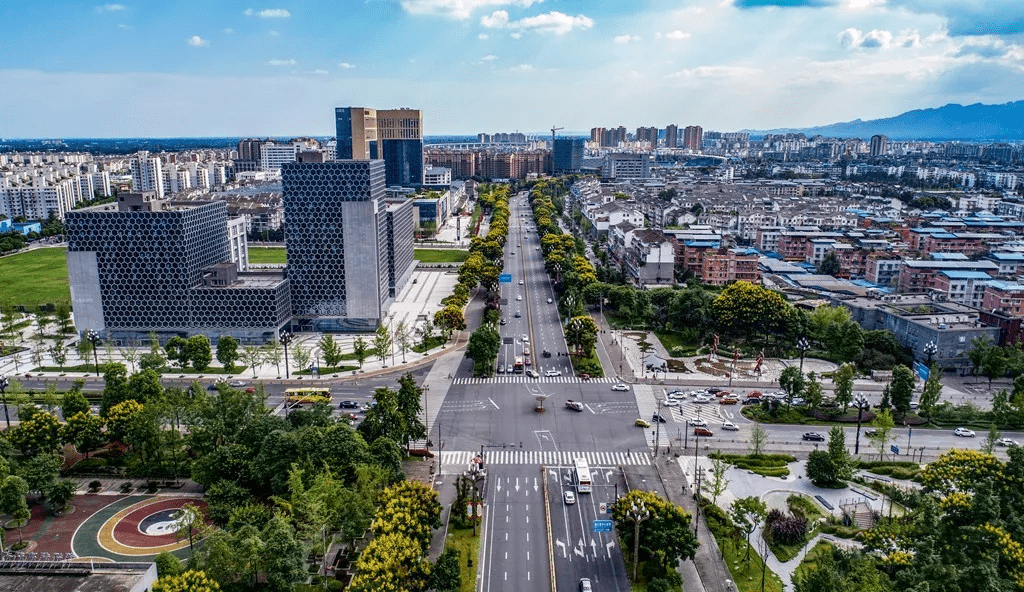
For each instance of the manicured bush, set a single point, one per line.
(785, 529)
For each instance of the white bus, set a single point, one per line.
(583, 481)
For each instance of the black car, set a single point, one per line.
(751, 401)
(713, 389)
(814, 437)
(658, 418)
(348, 405)
(212, 387)
(547, 353)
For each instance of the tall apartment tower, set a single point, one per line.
(693, 138)
(671, 135)
(567, 155)
(147, 174)
(879, 145)
(647, 134)
(396, 135)
(344, 262)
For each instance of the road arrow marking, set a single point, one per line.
(593, 546)
(493, 403)
(535, 486)
(517, 484)
(559, 543)
(608, 547)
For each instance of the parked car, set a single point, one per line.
(703, 432)
(751, 401)
(964, 432)
(550, 373)
(620, 387)
(677, 394)
(641, 422)
(728, 425)
(574, 405)
(798, 401)
(585, 585)
(212, 387)
(1007, 442)
(658, 418)
(814, 437)
(236, 383)
(569, 497)
(584, 376)
(502, 321)
(698, 422)
(250, 391)
(703, 399)
(713, 389)
(729, 400)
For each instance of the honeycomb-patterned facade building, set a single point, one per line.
(156, 266)
(349, 248)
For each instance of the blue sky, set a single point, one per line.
(200, 68)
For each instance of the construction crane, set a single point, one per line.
(553, 130)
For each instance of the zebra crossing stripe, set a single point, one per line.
(461, 458)
(524, 379)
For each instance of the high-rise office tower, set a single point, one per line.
(567, 156)
(147, 173)
(693, 138)
(396, 135)
(671, 135)
(342, 270)
(879, 145)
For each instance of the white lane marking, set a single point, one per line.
(493, 403)
(608, 547)
(559, 543)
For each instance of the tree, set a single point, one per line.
(145, 386)
(990, 439)
(84, 350)
(830, 264)
(382, 343)
(192, 524)
(59, 493)
(331, 351)
(748, 513)
(813, 392)
(758, 438)
(402, 334)
(13, 502)
(73, 401)
(59, 353)
(167, 565)
(41, 434)
(839, 454)
(176, 350)
(792, 381)
(901, 389)
(253, 357)
(843, 385)
(665, 537)
(130, 353)
(718, 483)
(85, 431)
(581, 334)
(199, 352)
(273, 351)
(994, 363)
(743, 308)
(120, 416)
(931, 391)
(301, 355)
(408, 402)
(450, 319)
(361, 349)
(881, 437)
(483, 347)
(115, 387)
(40, 472)
(446, 576)
(227, 352)
(190, 581)
(820, 468)
(284, 555)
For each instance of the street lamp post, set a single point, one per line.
(94, 339)
(286, 339)
(803, 345)
(930, 349)
(638, 515)
(861, 401)
(4, 382)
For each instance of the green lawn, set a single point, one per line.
(267, 255)
(440, 255)
(469, 551)
(35, 277)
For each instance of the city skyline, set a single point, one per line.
(489, 65)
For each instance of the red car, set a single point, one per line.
(702, 432)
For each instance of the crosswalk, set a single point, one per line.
(516, 379)
(457, 460)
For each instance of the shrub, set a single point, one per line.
(785, 529)
(95, 485)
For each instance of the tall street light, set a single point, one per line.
(638, 515)
(930, 349)
(94, 339)
(803, 345)
(861, 402)
(285, 339)
(4, 382)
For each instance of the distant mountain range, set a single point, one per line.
(950, 122)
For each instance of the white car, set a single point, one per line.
(1007, 442)
(703, 399)
(526, 338)
(520, 282)
(697, 422)
(237, 383)
(730, 426)
(677, 394)
(553, 373)
(549, 301)
(670, 403)
(620, 387)
(519, 297)
(569, 497)
(963, 433)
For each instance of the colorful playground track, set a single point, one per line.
(132, 527)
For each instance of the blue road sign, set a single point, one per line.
(923, 371)
(894, 449)
(602, 525)
(505, 278)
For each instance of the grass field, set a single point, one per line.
(267, 255)
(35, 277)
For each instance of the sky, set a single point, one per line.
(231, 68)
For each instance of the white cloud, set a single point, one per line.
(248, 12)
(556, 23)
(516, 35)
(124, 26)
(318, 72)
(111, 8)
(713, 72)
(274, 13)
(458, 9)
(281, 63)
(677, 35)
(489, 58)
(346, 66)
(229, 31)
(274, 34)
(853, 38)
(522, 68)
(622, 39)
(483, 36)
(197, 41)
